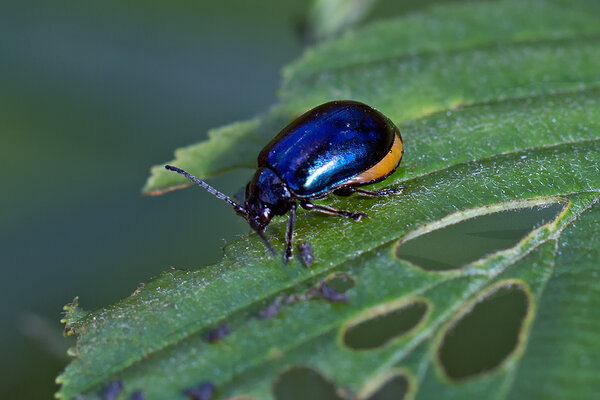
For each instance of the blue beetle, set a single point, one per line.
(333, 148)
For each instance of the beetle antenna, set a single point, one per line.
(237, 207)
(267, 243)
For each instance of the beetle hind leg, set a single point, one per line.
(332, 211)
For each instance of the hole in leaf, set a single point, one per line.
(486, 335)
(301, 383)
(395, 387)
(458, 244)
(379, 326)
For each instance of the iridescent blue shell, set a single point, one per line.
(327, 146)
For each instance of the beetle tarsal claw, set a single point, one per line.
(288, 255)
(358, 216)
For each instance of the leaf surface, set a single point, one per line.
(498, 112)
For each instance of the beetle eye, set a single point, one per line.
(265, 216)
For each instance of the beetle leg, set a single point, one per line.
(379, 193)
(289, 234)
(332, 211)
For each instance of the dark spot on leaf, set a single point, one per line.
(294, 298)
(272, 310)
(331, 289)
(461, 243)
(303, 383)
(483, 337)
(204, 391)
(382, 324)
(218, 334)
(325, 291)
(112, 390)
(333, 295)
(139, 395)
(306, 254)
(395, 387)
(269, 312)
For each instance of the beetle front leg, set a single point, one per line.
(289, 234)
(332, 211)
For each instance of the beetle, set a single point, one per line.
(333, 148)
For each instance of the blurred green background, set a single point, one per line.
(91, 95)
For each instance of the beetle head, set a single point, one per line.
(266, 196)
(259, 216)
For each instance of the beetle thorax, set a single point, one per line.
(266, 196)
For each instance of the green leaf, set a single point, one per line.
(499, 111)
(329, 18)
